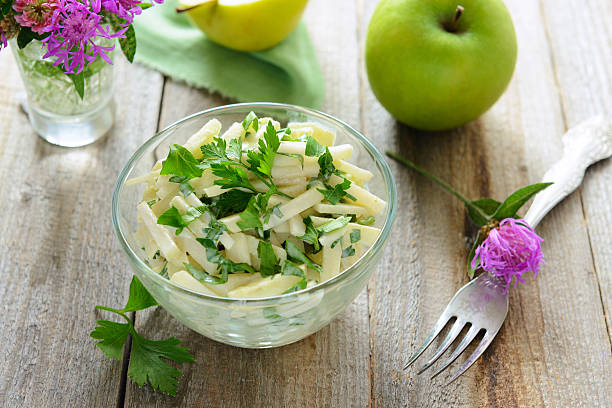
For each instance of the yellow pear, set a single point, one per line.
(245, 25)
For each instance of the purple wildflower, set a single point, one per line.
(35, 14)
(509, 251)
(74, 28)
(126, 9)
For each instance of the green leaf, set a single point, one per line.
(355, 236)
(215, 151)
(184, 185)
(250, 120)
(214, 230)
(26, 35)
(173, 218)
(298, 286)
(139, 298)
(338, 192)
(336, 242)
(151, 203)
(268, 260)
(112, 335)
(180, 162)
(350, 251)
(292, 269)
(79, 83)
(146, 364)
(311, 235)
(334, 224)
(487, 206)
(367, 221)
(517, 199)
(203, 276)
(250, 215)
(225, 265)
(234, 149)
(231, 202)
(313, 148)
(268, 146)
(231, 176)
(294, 254)
(128, 44)
(326, 166)
(479, 240)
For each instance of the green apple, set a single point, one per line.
(245, 25)
(437, 64)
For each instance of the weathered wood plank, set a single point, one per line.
(540, 357)
(581, 43)
(59, 257)
(329, 368)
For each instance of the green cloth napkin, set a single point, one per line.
(288, 72)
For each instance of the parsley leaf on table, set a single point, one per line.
(146, 356)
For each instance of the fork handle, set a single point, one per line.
(583, 145)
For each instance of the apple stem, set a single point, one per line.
(458, 13)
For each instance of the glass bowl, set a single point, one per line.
(262, 322)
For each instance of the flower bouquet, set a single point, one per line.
(64, 50)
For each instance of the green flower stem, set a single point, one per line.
(468, 203)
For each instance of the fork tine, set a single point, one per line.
(471, 334)
(450, 337)
(482, 346)
(442, 320)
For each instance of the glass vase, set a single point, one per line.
(55, 109)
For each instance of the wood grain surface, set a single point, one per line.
(59, 257)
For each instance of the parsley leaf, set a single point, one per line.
(294, 254)
(336, 242)
(262, 161)
(231, 176)
(338, 192)
(231, 202)
(146, 364)
(139, 297)
(313, 148)
(173, 218)
(151, 203)
(334, 224)
(250, 120)
(269, 262)
(311, 235)
(367, 221)
(326, 166)
(355, 236)
(292, 269)
(350, 251)
(234, 149)
(256, 210)
(225, 265)
(298, 286)
(214, 230)
(185, 187)
(203, 276)
(181, 162)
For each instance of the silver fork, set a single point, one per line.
(482, 304)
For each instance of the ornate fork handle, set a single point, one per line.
(583, 145)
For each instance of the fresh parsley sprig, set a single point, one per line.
(147, 357)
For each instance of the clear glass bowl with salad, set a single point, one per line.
(255, 224)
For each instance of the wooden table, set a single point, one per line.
(59, 257)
